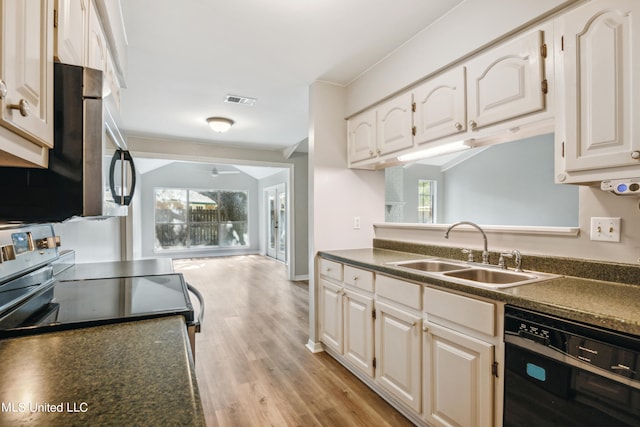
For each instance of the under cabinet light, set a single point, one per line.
(450, 147)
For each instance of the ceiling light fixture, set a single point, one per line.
(220, 124)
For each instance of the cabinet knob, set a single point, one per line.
(371, 152)
(458, 125)
(3, 89)
(22, 106)
(355, 278)
(378, 151)
(635, 155)
(425, 328)
(473, 124)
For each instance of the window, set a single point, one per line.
(200, 218)
(426, 201)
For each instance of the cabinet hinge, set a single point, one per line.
(562, 149)
(494, 369)
(373, 314)
(543, 50)
(413, 107)
(413, 130)
(562, 44)
(55, 18)
(373, 363)
(545, 86)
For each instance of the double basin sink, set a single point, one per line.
(473, 274)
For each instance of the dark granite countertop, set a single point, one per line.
(137, 373)
(603, 303)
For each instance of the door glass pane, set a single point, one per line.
(282, 218)
(272, 222)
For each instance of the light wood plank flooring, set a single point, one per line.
(252, 365)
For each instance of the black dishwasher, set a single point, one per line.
(563, 373)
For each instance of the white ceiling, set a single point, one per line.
(185, 56)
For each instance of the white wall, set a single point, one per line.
(93, 240)
(337, 194)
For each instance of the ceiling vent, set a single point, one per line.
(235, 99)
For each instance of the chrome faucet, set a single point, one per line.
(513, 254)
(485, 251)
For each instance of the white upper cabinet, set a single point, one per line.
(600, 102)
(26, 74)
(375, 133)
(507, 81)
(361, 131)
(394, 125)
(440, 105)
(503, 90)
(71, 19)
(96, 56)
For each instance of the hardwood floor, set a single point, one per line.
(252, 365)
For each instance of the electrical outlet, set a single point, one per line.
(605, 229)
(356, 223)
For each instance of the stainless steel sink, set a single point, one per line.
(472, 274)
(491, 276)
(433, 265)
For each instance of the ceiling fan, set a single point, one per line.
(215, 172)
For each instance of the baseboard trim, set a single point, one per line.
(314, 347)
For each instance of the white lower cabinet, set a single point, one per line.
(398, 365)
(435, 355)
(458, 383)
(346, 317)
(462, 338)
(358, 331)
(331, 315)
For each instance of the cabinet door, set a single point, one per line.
(440, 106)
(362, 136)
(458, 379)
(398, 364)
(26, 68)
(71, 31)
(331, 315)
(506, 82)
(96, 43)
(358, 331)
(394, 125)
(601, 100)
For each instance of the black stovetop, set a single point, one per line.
(82, 303)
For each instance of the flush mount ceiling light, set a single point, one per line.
(220, 124)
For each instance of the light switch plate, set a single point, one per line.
(356, 223)
(606, 229)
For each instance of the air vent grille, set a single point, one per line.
(235, 99)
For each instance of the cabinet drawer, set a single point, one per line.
(358, 278)
(399, 291)
(330, 269)
(468, 312)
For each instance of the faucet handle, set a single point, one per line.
(501, 261)
(469, 252)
